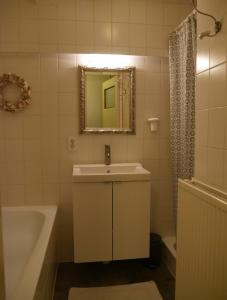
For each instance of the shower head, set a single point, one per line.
(207, 33)
(204, 34)
(217, 24)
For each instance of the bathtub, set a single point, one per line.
(29, 251)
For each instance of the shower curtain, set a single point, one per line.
(182, 55)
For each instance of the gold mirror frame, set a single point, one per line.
(82, 110)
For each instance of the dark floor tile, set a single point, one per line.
(114, 273)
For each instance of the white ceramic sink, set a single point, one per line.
(113, 172)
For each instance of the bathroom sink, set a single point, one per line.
(107, 173)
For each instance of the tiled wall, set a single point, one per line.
(35, 165)
(117, 26)
(211, 99)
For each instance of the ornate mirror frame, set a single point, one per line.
(82, 105)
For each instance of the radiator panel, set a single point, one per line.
(201, 246)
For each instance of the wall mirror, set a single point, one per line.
(107, 100)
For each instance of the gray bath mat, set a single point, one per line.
(137, 291)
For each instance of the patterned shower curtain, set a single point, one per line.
(182, 56)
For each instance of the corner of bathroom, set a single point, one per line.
(113, 160)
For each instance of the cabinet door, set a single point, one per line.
(92, 205)
(131, 220)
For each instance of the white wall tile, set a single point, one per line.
(10, 9)
(16, 195)
(153, 83)
(33, 194)
(28, 9)
(46, 9)
(137, 35)
(29, 31)
(48, 72)
(48, 30)
(202, 122)
(201, 163)
(137, 11)
(2, 151)
(102, 34)
(15, 173)
(85, 10)
(119, 148)
(14, 150)
(151, 148)
(216, 128)
(49, 127)
(155, 12)
(32, 150)
(68, 104)
(9, 31)
(202, 90)
(155, 37)
(33, 172)
(203, 58)
(66, 9)
(172, 14)
(102, 10)
(68, 126)
(66, 32)
(51, 171)
(32, 127)
(120, 11)
(13, 127)
(85, 34)
(3, 175)
(50, 148)
(85, 151)
(215, 167)
(120, 34)
(51, 193)
(217, 86)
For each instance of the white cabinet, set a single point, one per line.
(92, 208)
(111, 220)
(131, 220)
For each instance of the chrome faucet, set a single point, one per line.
(107, 155)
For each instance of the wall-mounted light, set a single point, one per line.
(105, 60)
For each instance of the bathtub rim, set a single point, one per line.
(26, 287)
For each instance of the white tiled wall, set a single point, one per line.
(35, 165)
(122, 26)
(211, 99)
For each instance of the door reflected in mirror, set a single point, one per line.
(107, 100)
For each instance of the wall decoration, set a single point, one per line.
(19, 103)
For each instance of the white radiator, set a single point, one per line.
(201, 243)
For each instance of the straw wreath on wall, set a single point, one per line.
(19, 103)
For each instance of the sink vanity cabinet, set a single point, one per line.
(111, 217)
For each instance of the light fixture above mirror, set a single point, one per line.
(107, 100)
